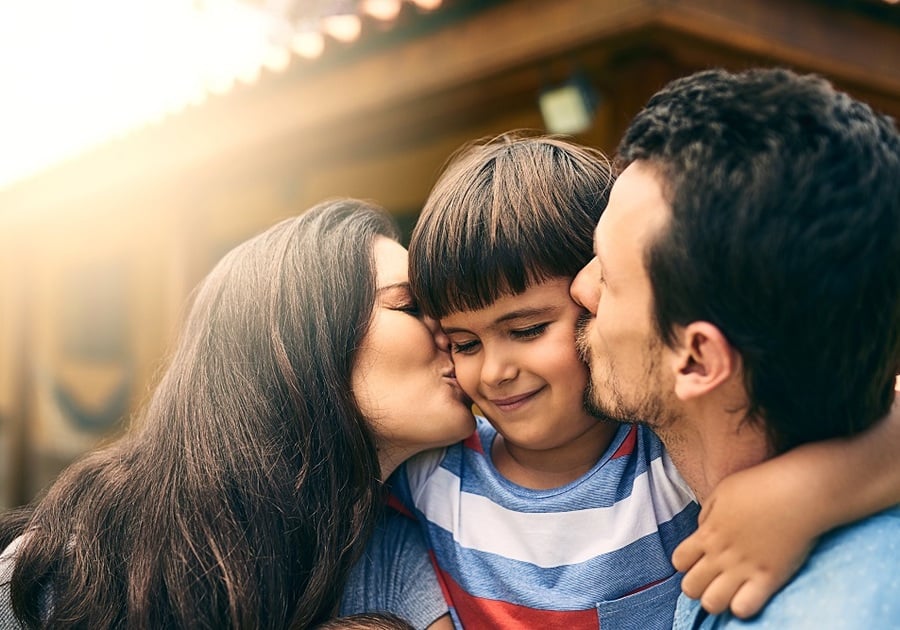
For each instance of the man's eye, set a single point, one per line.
(463, 347)
(531, 332)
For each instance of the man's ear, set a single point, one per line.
(703, 360)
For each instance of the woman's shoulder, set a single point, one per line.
(7, 565)
(8, 559)
(395, 574)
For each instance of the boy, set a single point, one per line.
(546, 516)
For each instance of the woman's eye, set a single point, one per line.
(531, 332)
(463, 347)
(411, 308)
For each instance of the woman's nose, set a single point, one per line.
(440, 337)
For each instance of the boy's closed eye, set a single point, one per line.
(471, 346)
(530, 332)
(464, 347)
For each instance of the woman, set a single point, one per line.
(252, 479)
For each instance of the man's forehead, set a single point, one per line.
(636, 210)
(637, 195)
(618, 206)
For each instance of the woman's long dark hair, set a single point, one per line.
(246, 488)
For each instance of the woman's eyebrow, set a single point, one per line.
(396, 285)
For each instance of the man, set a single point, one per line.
(746, 294)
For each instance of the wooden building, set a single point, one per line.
(98, 255)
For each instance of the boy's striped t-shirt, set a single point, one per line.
(594, 553)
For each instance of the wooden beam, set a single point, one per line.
(505, 36)
(838, 43)
(304, 106)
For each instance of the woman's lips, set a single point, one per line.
(450, 376)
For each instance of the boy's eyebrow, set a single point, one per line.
(521, 313)
(525, 312)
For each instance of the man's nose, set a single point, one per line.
(585, 288)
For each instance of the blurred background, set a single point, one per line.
(141, 139)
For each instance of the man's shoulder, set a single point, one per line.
(869, 534)
(854, 557)
(861, 557)
(851, 580)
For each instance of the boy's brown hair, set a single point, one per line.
(366, 621)
(505, 214)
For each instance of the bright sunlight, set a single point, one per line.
(78, 73)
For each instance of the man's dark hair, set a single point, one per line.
(785, 234)
(506, 213)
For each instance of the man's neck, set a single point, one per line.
(708, 443)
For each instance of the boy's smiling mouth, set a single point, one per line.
(511, 403)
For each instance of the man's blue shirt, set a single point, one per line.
(851, 580)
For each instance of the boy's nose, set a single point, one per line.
(496, 370)
(585, 288)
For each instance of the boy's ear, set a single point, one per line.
(703, 360)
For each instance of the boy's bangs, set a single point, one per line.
(457, 282)
(504, 216)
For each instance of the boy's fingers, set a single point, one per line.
(718, 595)
(687, 553)
(698, 578)
(751, 597)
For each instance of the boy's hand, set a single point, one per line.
(751, 540)
(759, 524)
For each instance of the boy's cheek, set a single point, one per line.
(467, 375)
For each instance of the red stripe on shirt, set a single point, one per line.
(445, 590)
(397, 504)
(628, 444)
(474, 442)
(645, 586)
(478, 612)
